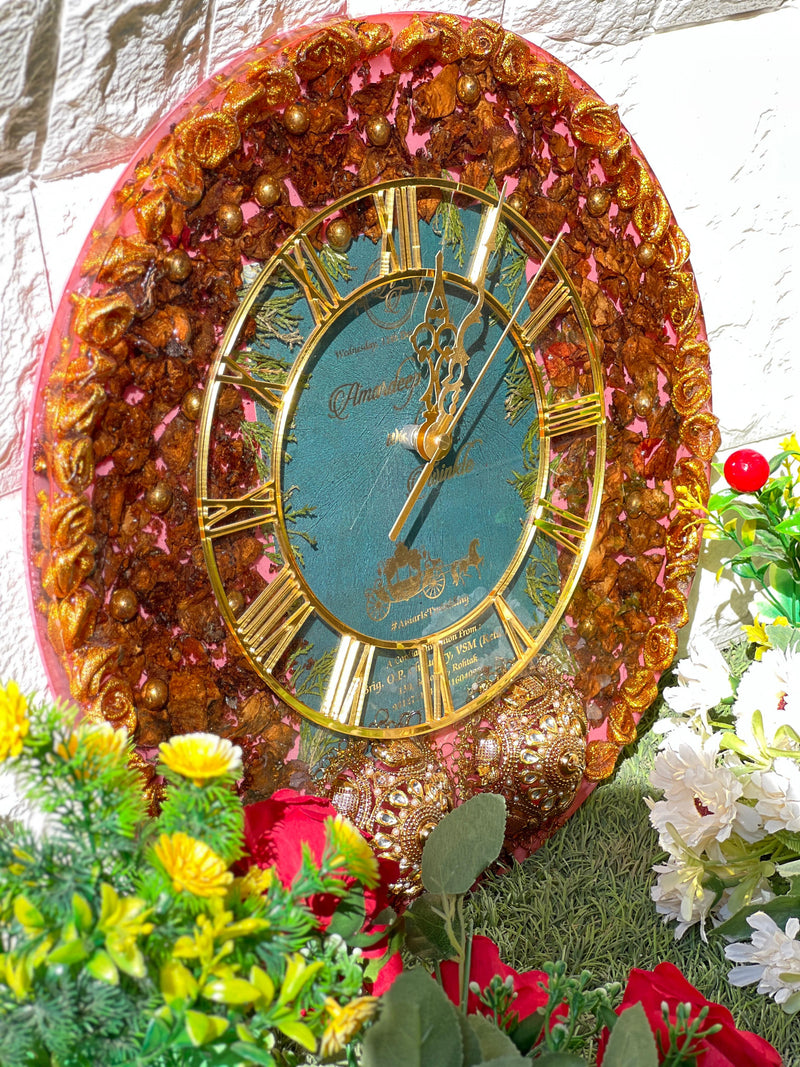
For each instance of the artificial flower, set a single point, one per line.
(728, 1047)
(777, 795)
(771, 958)
(14, 723)
(201, 757)
(757, 633)
(700, 792)
(192, 865)
(352, 851)
(771, 686)
(679, 893)
(344, 1022)
(530, 987)
(703, 681)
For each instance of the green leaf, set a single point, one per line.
(790, 839)
(231, 991)
(558, 1059)
(69, 953)
(203, 1028)
(81, 913)
(299, 1032)
(529, 1030)
(631, 1041)
(781, 909)
(426, 935)
(417, 1026)
(27, 914)
(471, 1047)
(464, 844)
(789, 870)
(156, 1035)
(350, 914)
(253, 1054)
(103, 968)
(494, 1044)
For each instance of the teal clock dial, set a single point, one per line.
(407, 517)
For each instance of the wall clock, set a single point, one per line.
(380, 387)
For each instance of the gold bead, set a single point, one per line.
(598, 201)
(230, 219)
(155, 694)
(267, 190)
(339, 234)
(379, 131)
(296, 119)
(643, 403)
(235, 601)
(646, 254)
(192, 404)
(517, 202)
(634, 503)
(177, 265)
(468, 89)
(158, 498)
(123, 605)
(587, 627)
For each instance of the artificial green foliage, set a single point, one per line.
(127, 939)
(461, 848)
(761, 532)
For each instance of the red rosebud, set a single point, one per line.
(728, 1047)
(746, 471)
(485, 963)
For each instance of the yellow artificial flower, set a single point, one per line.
(97, 740)
(192, 865)
(790, 444)
(352, 851)
(201, 757)
(757, 633)
(14, 723)
(344, 1023)
(256, 882)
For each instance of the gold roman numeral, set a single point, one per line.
(567, 530)
(272, 621)
(572, 415)
(347, 689)
(555, 301)
(518, 636)
(232, 373)
(305, 266)
(220, 516)
(398, 206)
(436, 696)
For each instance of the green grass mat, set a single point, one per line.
(585, 897)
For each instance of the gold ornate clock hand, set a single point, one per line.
(546, 310)
(445, 422)
(441, 394)
(419, 485)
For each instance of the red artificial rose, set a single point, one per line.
(275, 831)
(485, 963)
(729, 1047)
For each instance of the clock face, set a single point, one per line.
(401, 579)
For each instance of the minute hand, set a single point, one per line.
(453, 419)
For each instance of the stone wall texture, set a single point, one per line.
(708, 88)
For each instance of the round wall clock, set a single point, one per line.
(372, 426)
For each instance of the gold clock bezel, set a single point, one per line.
(291, 574)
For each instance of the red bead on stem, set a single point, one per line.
(746, 470)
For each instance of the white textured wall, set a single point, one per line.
(709, 88)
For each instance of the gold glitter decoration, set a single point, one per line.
(529, 745)
(158, 215)
(396, 791)
(102, 320)
(700, 434)
(208, 138)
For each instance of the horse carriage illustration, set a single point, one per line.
(411, 571)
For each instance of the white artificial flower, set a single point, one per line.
(679, 893)
(771, 685)
(777, 795)
(700, 793)
(703, 680)
(772, 959)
